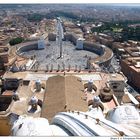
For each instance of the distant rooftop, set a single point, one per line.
(134, 63)
(135, 52)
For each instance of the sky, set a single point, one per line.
(133, 2)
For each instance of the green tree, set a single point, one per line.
(15, 41)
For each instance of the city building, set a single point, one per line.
(131, 69)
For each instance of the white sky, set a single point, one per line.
(71, 1)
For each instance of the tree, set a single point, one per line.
(15, 41)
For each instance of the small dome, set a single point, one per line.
(96, 99)
(38, 81)
(90, 81)
(33, 100)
